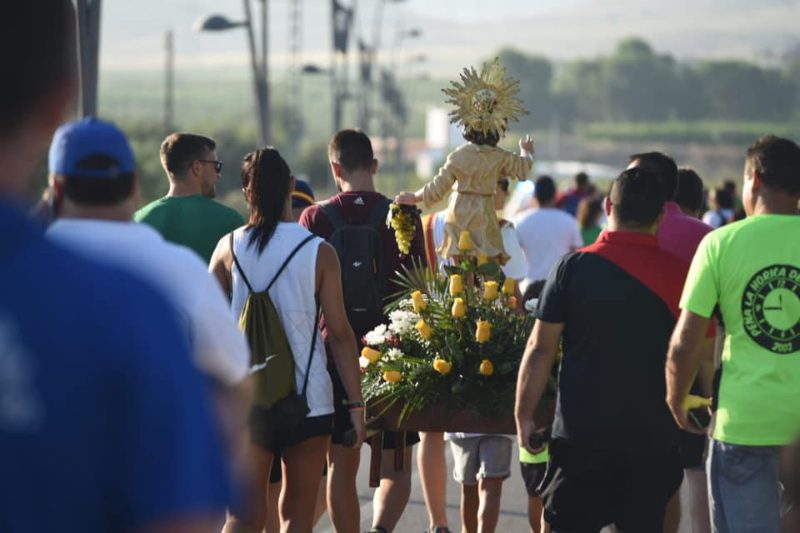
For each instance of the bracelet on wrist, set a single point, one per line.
(353, 403)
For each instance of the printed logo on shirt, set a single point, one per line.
(359, 201)
(21, 408)
(771, 308)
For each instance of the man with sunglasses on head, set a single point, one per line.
(188, 214)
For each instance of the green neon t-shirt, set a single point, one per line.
(751, 269)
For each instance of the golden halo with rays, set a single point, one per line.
(485, 102)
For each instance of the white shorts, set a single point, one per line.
(478, 458)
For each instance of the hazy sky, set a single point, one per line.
(455, 32)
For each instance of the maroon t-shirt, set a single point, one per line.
(356, 208)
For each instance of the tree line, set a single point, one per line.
(635, 84)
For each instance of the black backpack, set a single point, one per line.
(360, 252)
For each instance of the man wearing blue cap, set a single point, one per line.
(104, 421)
(92, 170)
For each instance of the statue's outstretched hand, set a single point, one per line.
(406, 198)
(526, 145)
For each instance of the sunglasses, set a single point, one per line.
(217, 164)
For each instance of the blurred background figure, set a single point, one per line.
(302, 197)
(545, 232)
(589, 216)
(721, 208)
(690, 195)
(580, 190)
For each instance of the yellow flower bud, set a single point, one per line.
(459, 309)
(418, 301)
(490, 290)
(441, 366)
(508, 286)
(486, 368)
(424, 330)
(465, 241)
(392, 376)
(512, 302)
(483, 331)
(456, 284)
(482, 259)
(370, 354)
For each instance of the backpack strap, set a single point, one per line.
(378, 217)
(334, 214)
(280, 270)
(288, 259)
(238, 266)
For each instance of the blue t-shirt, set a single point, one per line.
(104, 422)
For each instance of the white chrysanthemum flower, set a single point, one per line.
(377, 336)
(393, 354)
(402, 322)
(406, 304)
(363, 362)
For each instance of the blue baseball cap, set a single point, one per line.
(303, 195)
(79, 139)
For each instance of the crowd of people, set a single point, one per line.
(182, 368)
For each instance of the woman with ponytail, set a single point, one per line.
(310, 278)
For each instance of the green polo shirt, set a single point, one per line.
(196, 221)
(751, 269)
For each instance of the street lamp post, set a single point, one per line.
(88, 18)
(258, 65)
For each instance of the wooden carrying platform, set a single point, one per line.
(434, 418)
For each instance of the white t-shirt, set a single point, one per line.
(715, 219)
(294, 298)
(545, 235)
(220, 349)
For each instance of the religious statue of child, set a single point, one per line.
(483, 106)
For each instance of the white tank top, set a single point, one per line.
(293, 297)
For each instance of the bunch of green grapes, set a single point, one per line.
(402, 219)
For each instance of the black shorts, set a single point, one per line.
(341, 416)
(586, 489)
(693, 449)
(277, 440)
(532, 475)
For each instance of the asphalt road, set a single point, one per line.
(513, 512)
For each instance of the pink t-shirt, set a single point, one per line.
(680, 234)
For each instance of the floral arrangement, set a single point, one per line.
(454, 339)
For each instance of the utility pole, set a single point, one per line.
(88, 15)
(169, 82)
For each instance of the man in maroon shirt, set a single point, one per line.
(353, 166)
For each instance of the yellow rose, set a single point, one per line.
(418, 300)
(424, 330)
(508, 286)
(456, 284)
(391, 376)
(486, 368)
(490, 290)
(441, 366)
(482, 259)
(370, 355)
(465, 241)
(483, 331)
(459, 309)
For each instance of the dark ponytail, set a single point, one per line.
(266, 174)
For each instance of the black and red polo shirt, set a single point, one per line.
(618, 300)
